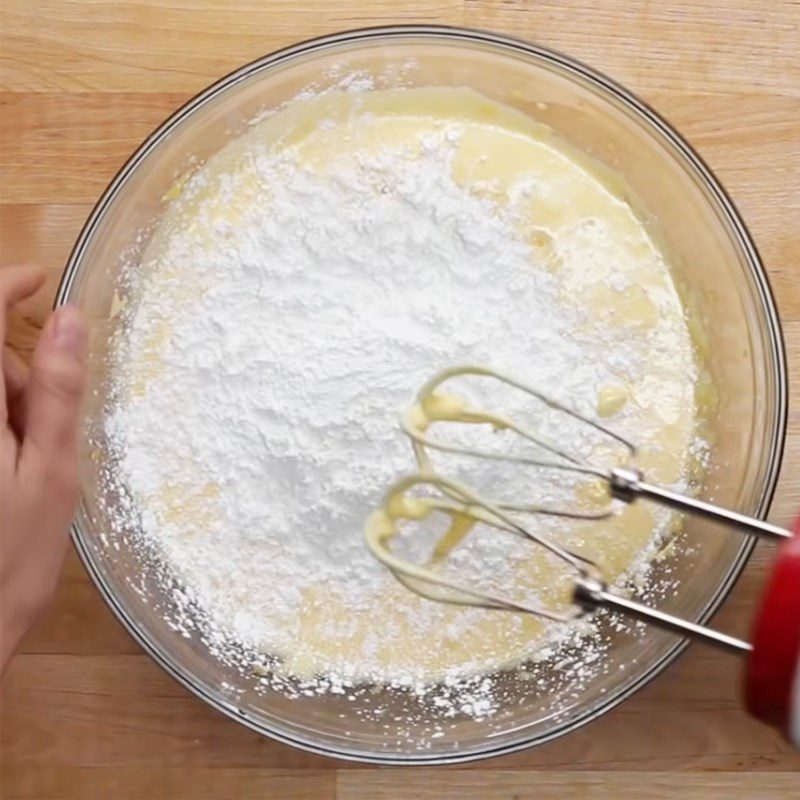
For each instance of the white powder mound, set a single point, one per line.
(290, 334)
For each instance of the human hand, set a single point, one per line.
(40, 410)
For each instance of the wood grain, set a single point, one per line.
(423, 784)
(707, 47)
(426, 784)
(62, 148)
(175, 45)
(85, 713)
(203, 783)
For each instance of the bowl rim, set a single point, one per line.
(511, 46)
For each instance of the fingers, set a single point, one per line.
(15, 373)
(19, 282)
(15, 377)
(56, 385)
(16, 283)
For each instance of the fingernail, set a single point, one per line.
(69, 330)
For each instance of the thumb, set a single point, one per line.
(55, 389)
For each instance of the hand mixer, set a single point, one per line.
(772, 685)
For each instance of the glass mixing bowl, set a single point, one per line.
(715, 265)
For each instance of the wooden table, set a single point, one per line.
(86, 713)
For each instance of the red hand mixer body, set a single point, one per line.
(772, 673)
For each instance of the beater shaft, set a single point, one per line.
(627, 485)
(591, 593)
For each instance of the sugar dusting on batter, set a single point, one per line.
(283, 316)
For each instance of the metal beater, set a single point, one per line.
(466, 508)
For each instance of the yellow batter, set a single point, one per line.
(498, 150)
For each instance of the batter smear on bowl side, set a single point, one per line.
(300, 287)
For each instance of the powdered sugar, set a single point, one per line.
(272, 345)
